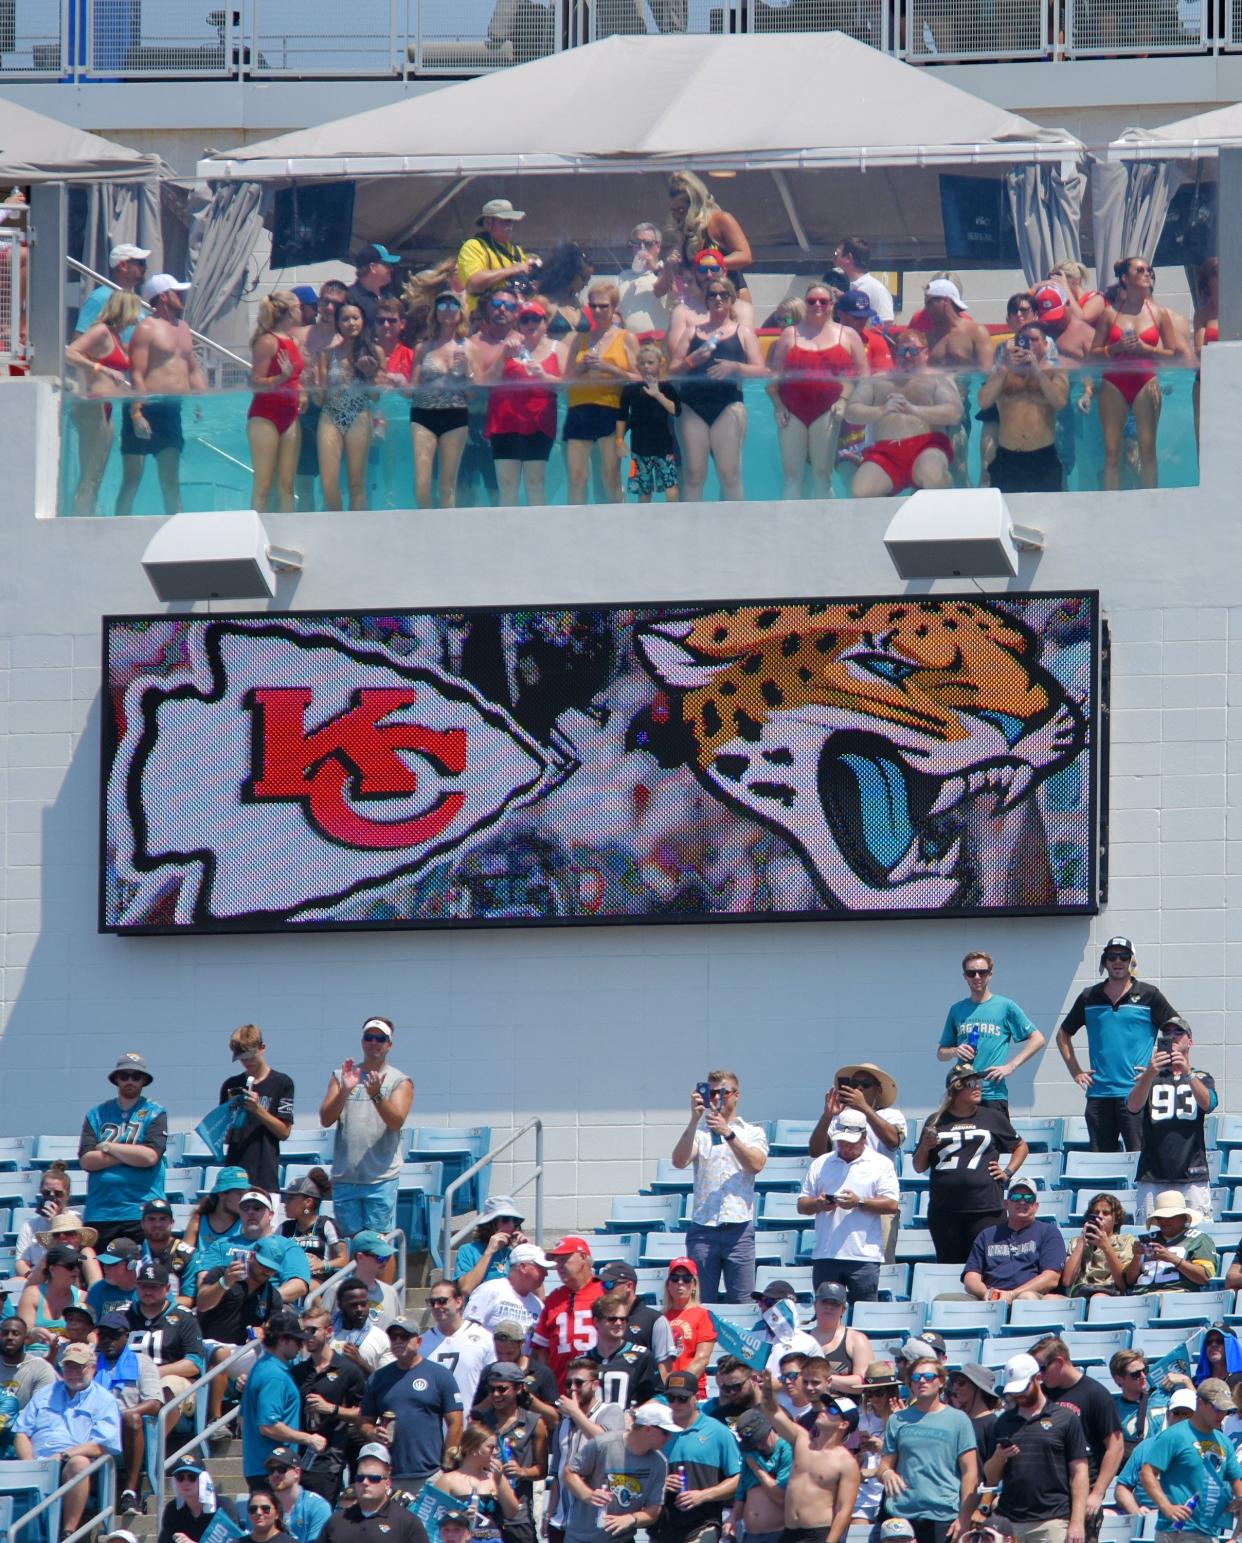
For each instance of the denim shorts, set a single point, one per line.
(365, 1207)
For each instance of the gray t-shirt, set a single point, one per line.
(31, 1372)
(366, 1151)
(635, 1480)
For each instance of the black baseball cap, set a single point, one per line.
(157, 1208)
(152, 1270)
(775, 1291)
(618, 1271)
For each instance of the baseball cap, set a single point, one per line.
(1183, 1398)
(505, 1371)
(232, 1177)
(896, 1527)
(257, 1197)
(945, 289)
(127, 253)
(155, 1208)
(961, 1074)
(499, 209)
(511, 1329)
(1212, 1390)
(82, 1310)
(655, 1415)
(159, 284)
(572, 1243)
(152, 1271)
(832, 1291)
(529, 1253)
(373, 252)
(775, 1291)
(285, 1326)
(927, 1346)
(1117, 945)
(1176, 1025)
(115, 1323)
(683, 1263)
(848, 1125)
(306, 293)
(269, 1254)
(751, 1428)
(1021, 1370)
(681, 1382)
(609, 1274)
(455, 1519)
(84, 1353)
(121, 1535)
(378, 1451)
(284, 1457)
(855, 303)
(405, 1326)
(1023, 1186)
(131, 1060)
(303, 1187)
(63, 1253)
(120, 1251)
(368, 1242)
(845, 1407)
(186, 1465)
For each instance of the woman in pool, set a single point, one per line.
(698, 222)
(811, 363)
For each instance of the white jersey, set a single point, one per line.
(495, 1300)
(464, 1354)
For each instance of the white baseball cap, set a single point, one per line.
(1184, 1398)
(848, 1125)
(945, 289)
(159, 284)
(656, 1415)
(1020, 1371)
(126, 253)
(530, 1253)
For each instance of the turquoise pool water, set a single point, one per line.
(215, 465)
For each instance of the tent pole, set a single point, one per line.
(1229, 242)
(791, 209)
(433, 209)
(49, 245)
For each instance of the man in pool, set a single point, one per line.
(910, 407)
(163, 368)
(1028, 391)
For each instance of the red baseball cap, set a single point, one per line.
(683, 1264)
(572, 1244)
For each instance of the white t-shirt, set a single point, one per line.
(724, 1191)
(495, 1300)
(879, 295)
(641, 309)
(370, 1342)
(851, 1233)
(464, 1354)
(897, 1120)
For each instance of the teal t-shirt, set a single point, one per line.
(777, 1465)
(271, 1396)
(92, 311)
(220, 1254)
(1190, 1463)
(1001, 1024)
(118, 1194)
(469, 1254)
(928, 1448)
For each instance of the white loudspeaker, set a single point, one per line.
(949, 533)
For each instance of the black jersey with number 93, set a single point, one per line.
(1173, 1146)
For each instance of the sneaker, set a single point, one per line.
(130, 1503)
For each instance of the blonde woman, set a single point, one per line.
(420, 294)
(102, 360)
(440, 404)
(474, 1472)
(694, 1332)
(698, 221)
(812, 362)
(604, 361)
(1088, 303)
(272, 427)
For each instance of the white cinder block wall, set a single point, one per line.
(602, 1032)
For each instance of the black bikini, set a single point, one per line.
(709, 398)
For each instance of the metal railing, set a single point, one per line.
(163, 1461)
(14, 255)
(110, 40)
(399, 1243)
(105, 1465)
(535, 1177)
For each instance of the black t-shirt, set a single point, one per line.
(1173, 1147)
(390, 1524)
(171, 1337)
(628, 1376)
(342, 1382)
(1098, 1413)
(179, 1518)
(965, 1145)
(643, 1319)
(1036, 1481)
(366, 302)
(240, 1309)
(254, 1147)
(650, 425)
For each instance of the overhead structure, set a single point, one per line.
(35, 148)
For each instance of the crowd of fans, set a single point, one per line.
(581, 1408)
(640, 374)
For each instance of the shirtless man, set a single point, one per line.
(955, 341)
(911, 408)
(823, 1484)
(313, 340)
(163, 365)
(1028, 391)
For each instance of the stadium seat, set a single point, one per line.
(28, 1484)
(1043, 1169)
(420, 1205)
(779, 1209)
(1096, 1347)
(1130, 1312)
(894, 1282)
(308, 1144)
(669, 1180)
(1215, 1162)
(777, 1248)
(1103, 1169)
(960, 1320)
(915, 1246)
(1157, 1339)
(996, 1351)
(1041, 1135)
(1033, 1318)
(783, 1173)
(659, 1247)
(54, 1149)
(799, 1277)
(15, 1153)
(1054, 1206)
(19, 1189)
(646, 1213)
(791, 1137)
(614, 1247)
(455, 1148)
(183, 1184)
(1192, 1307)
(929, 1280)
(910, 1178)
(651, 1285)
(961, 1352)
(1116, 1528)
(1228, 1131)
(1074, 1136)
(1231, 1173)
(878, 1318)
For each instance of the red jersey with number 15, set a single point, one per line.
(566, 1328)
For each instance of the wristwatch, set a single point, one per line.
(730, 1135)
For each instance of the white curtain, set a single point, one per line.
(1047, 214)
(223, 233)
(1129, 200)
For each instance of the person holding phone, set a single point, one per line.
(1028, 391)
(1098, 1259)
(1038, 1450)
(1174, 1101)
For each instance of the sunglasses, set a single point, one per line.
(733, 1387)
(578, 1382)
(611, 1285)
(681, 1277)
(616, 1318)
(53, 1194)
(857, 1082)
(278, 1467)
(260, 1510)
(923, 1376)
(717, 294)
(529, 321)
(788, 1377)
(441, 1301)
(680, 1398)
(389, 321)
(1135, 1371)
(448, 305)
(1020, 1199)
(909, 353)
(368, 1478)
(817, 304)
(647, 241)
(976, 972)
(504, 305)
(375, 1039)
(1020, 310)
(1116, 958)
(129, 1077)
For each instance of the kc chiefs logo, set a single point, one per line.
(283, 771)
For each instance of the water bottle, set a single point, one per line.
(972, 1039)
(506, 1450)
(1192, 1505)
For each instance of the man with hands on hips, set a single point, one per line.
(727, 1154)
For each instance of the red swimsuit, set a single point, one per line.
(117, 360)
(280, 406)
(1129, 377)
(810, 399)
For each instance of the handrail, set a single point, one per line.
(199, 337)
(490, 1156)
(164, 1462)
(107, 1509)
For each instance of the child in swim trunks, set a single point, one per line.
(648, 410)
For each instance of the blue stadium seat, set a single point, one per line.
(669, 1180)
(1227, 1236)
(19, 1189)
(790, 1137)
(894, 1282)
(783, 1173)
(995, 1352)
(961, 1352)
(308, 1144)
(646, 1213)
(1041, 1135)
(54, 1149)
(1103, 1169)
(659, 1247)
(910, 1178)
(1191, 1307)
(908, 1201)
(1096, 1347)
(1043, 1169)
(614, 1247)
(420, 1205)
(651, 1284)
(1228, 1131)
(779, 1209)
(1054, 1206)
(183, 1184)
(1118, 1528)
(455, 1148)
(878, 1318)
(915, 1246)
(743, 1314)
(15, 1153)
(1215, 1162)
(1157, 1339)
(1211, 1131)
(28, 1484)
(1132, 1312)
(929, 1280)
(960, 1320)
(195, 1150)
(1231, 1173)
(1033, 1318)
(777, 1248)
(1074, 1136)
(799, 1277)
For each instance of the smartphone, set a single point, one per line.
(705, 1093)
(1164, 1043)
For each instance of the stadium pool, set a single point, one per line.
(215, 466)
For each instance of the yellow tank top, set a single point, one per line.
(601, 394)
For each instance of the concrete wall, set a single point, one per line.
(603, 1032)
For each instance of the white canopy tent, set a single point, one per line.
(771, 112)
